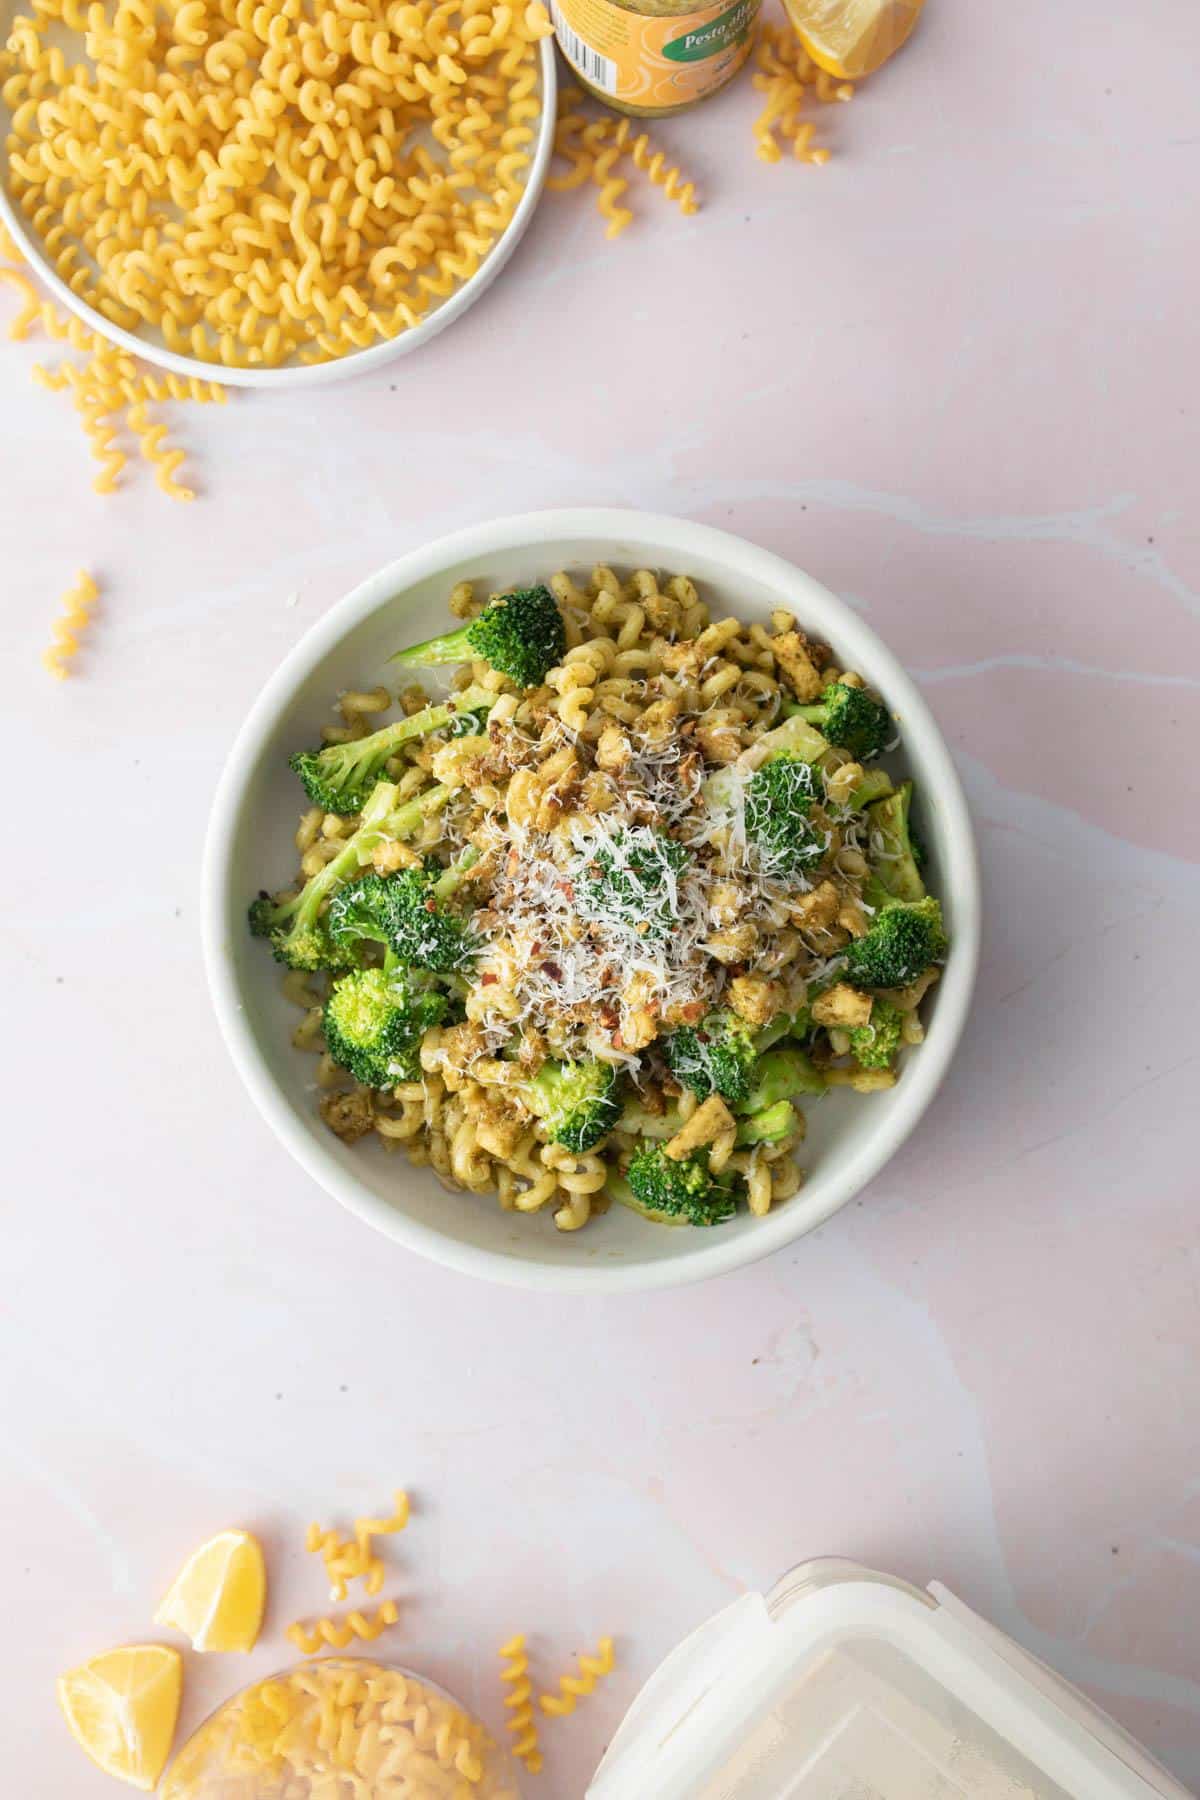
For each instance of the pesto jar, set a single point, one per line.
(654, 57)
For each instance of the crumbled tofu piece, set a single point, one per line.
(792, 654)
(599, 794)
(614, 749)
(682, 659)
(658, 720)
(533, 1050)
(756, 998)
(710, 1119)
(349, 1115)
(454, 762)
(725, 902)
(720, 743)
(817, 910)
(734, 944)
(386, 858)
(842, 1005)
(500, 1122)
(842, 783)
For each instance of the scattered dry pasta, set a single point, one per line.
(518, 1701)
(337, 1633)
(789, 79)
(109, 388)
(594, 144)
(255, 181)
(340, 1727)
(347, 1559)
(66, 630)
(573, 1688)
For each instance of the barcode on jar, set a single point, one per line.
(601, 71)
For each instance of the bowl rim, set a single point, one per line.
(672, 538)
(341, 368)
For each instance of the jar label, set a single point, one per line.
(655, 60)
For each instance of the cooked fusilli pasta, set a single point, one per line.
(597, 924)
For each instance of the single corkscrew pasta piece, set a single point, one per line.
(654, 163)
(66, 631)
(522, 1723)
(337, 1633)
(573, 1688)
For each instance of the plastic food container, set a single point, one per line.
(843, 1684)
(654, 57)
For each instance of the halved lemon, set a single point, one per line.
(853, 38)
(217, 1598)
(122, 1707)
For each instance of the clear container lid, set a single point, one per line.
(843, 1684)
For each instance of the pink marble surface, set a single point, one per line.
(953, 375)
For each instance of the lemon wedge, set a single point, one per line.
(853, 38)
(217, 1598)
(121, 1709)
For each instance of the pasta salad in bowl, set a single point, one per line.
(624, 898)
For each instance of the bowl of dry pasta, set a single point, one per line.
(272, 192)
(590, 902)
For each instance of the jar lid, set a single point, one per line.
(843, 1682)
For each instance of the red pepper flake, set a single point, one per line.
(552, 970)
(431, 904)
(487, 978)
(567, 888)
(618, 1042)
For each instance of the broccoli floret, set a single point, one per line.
(678, 1191)
(576, 1100)
(374, 1025)
(631, 879)
(340, 777)
(521, 634)
(296, 929)
(852, 719)
(402, 912)
(779, 798)
(716, 1056)
(301, 944)
(769, 1125)
(780, 1075)
(875, 785)
(875, 1045)
(903, 941)
(897, 875)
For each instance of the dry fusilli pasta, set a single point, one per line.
(518, 1701)
(573, 1688)
(66, 631)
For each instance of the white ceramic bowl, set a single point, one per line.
(296, 375)
(250, 846)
